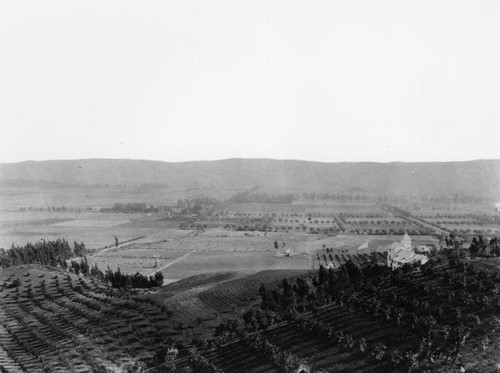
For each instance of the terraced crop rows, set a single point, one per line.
(321, 354)
(326, 259)
(242, 292)
(69, 325)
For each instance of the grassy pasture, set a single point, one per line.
(206, 262)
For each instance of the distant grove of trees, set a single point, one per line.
(196, 205)
(131, 208)
(249, 196)
(49, 209)
(116, 279)
(52, 253)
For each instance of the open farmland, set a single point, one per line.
(184, 253)
(465, 224)
(187, 253)
(95, 197)
(318, 217)
(200, 262)
(97, 230)
(464, 219)
(380, 225)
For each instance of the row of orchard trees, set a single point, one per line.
(445, 303)
(118, 279)
(52, 253)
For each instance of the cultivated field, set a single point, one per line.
(187, 253)
(53, 321)
(318, 217)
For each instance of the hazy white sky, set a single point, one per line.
(190, 80)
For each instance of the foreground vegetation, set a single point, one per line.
(54, 321)
(430, 318)
(360, 317)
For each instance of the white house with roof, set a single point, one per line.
(400, 253)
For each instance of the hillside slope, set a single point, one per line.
(472, 178)
(56, 321)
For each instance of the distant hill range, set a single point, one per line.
(479, 178)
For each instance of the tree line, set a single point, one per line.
(130, 208)
(116, 279)
(481, 247)
(51, 253)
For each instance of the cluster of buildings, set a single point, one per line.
(400, 253)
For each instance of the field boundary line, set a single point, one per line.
(122, 244)
(170, 263)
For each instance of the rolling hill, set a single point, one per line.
(472, 178)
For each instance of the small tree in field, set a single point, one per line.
(485, 341)
(378, 351)
(362, 345)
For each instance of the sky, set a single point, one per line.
(201, 80)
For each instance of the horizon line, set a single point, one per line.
(239, 159)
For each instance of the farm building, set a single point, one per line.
(400, 253)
